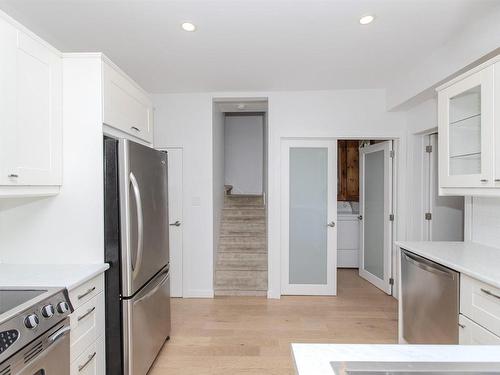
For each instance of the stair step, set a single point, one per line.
(242, 248)
(244, 220)
(243, 239)
(241, 280)
(243, 229)
(243, 200)
(246, 261)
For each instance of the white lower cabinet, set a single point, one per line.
(91, 361)
(479, 319)
(473, 334)
(87, 328)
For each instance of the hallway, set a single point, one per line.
(252, 335)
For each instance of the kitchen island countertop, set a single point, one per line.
(315, 359)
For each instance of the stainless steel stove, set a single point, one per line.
(33, 331)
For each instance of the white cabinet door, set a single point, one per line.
(497, 125)
(473, 334)
(31, 114)
(125, 106)
(92, 361)
(466, 123)
(8, 46)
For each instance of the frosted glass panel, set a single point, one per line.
(308, 215)
(465, 133)
(374, 214)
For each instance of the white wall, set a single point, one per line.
(217, 174)
(471, 42)
(485, 225)
(185, 120)
(244, 139)
(67, 228)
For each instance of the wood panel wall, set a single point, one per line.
(348, 171)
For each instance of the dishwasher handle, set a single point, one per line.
(429, 266)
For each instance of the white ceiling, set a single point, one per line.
(244, 45)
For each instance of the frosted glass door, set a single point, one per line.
(375, 209)
(308, 215)
(308, 221)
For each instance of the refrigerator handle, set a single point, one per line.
(140, 225)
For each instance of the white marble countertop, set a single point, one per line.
(314, 359)
(69, 276)
(477, 261)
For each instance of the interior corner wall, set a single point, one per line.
(67, 228)
(218, 175)
(244, 155)
(421, 119)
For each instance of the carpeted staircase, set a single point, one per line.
(241, 268)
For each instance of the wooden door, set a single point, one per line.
(348, 171)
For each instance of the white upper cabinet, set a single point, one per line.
(30, 114)
(468, 164)
(125, 105)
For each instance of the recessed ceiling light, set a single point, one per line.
(188, 26)
(365, 20)
(241, 106)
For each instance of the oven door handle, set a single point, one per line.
(60, 333)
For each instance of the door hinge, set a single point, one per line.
(391, 154)
(391, 281)
(428, 149)
(391, 217)
(428, 216)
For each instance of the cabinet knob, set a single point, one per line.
(484, 180)
(497, 179)
(13, 175)
(135, 128)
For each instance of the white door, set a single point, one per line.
(375, 205)
(175, 218)
(444, 215)
(309, 215)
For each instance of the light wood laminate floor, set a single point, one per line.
(252, 335)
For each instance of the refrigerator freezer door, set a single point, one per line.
(144, 214)
(146, 321)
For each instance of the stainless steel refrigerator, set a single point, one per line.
(137, 249)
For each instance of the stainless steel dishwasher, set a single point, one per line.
(429, 295)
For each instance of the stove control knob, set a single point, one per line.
(31, 321)
(48, 311)
(62, 307)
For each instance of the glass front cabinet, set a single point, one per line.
(469, 133)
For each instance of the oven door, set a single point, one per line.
(47, 355)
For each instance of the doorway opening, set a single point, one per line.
(240, 186)
(337, 211)
(365, 210)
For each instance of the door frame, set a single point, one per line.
(330, 288)
(182, 268)
(385, 284)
